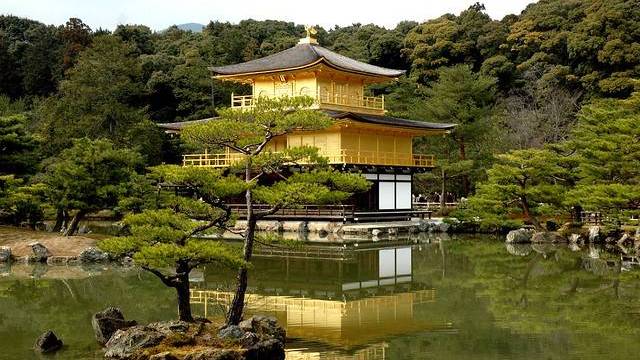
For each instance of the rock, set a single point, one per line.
(574, 247)
(40, 252)
(265, 327)
(48, 343)
(93, 255)
(574, 238)
(170, 327)
(249, 339)
(423, 225)
(594, 234)
(127, 261)
(127, 342)
(5, 254)
(167, 355)
(519, 236)
(547, 237)
(268, 349)
(269, 225)
(57, 260)
(551, 225)
(442, 227)
(545, 249)
(231, 332)
(106, 322)
(5, 269)
(625, 240)
(214, 354)
(294, 226)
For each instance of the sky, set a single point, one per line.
(160, 14)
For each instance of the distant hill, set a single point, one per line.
(195, 27)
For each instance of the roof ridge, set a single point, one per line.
(313, 48)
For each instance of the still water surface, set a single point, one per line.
(465, 298)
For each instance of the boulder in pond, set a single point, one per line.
(40, 252)
(594, 234)
(213, 354)
(266, 349)
(548, 237)
(106, 322)
(93, 255)
(126, 343)
(5, 254)
(48, 343)
(574, 238)
(519, 236)
(519, 249)
(264, 326)
(231, 332)
(167, 355)
(169, 327)
(625, 240)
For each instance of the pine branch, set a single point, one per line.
(165, 279)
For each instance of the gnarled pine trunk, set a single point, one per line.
(59, 220)
(73, 225)
(182, 286)
(234, 316)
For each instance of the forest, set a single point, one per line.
(546, 104)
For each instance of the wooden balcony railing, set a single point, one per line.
(329, 100)
(375, 103)
(343, 156)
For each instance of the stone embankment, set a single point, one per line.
(336, 230)
(40, 254)
(576, 236)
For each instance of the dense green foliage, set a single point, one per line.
(166, 236)
(510, 84)
(594, 169)
(87, 177)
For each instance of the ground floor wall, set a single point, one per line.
(388, 192)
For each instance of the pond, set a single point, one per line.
(459, 298)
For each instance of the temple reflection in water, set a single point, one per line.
(345, 300)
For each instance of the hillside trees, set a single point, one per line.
(463, 97)
(31, 57)
(18, 146)
(527, 183)
(449, 40)
(101, 98)
(591, 44)
(606, 146)
(76, 36)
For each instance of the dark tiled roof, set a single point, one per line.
(389, 120)
(373, 119)
(303, 55)
(177, 126)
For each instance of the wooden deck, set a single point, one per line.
(340, 213)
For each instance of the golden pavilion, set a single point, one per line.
(362, 139)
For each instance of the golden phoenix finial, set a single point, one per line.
(311, 35)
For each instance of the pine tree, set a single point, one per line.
(247, 133)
